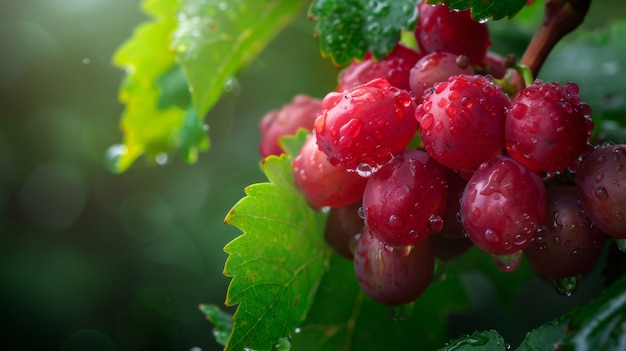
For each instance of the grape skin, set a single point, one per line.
(402, 196)
(569, 245)
(600, 180)
(366, 124)
(502, 206)
(389, 277)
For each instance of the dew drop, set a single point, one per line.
(113, 156)
(401, 312)
(518, 110)
(361, 212)
(566, 286)
(601, 193)
(598, 178)
(298, 330)
(394, 221)
(427, 121)
(435, 223)
(365, 170)
(508, 263)
(491, 236)
(451, 110)
(161, 158)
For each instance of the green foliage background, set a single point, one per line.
(121, 262)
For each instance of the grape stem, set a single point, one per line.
(560, 18)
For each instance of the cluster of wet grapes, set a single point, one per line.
(422, 155)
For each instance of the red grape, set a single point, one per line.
(343, 224)
(389, 277)
(322, 183)
(299, 113)
(502, 206)
(569, 245)
(394, 68)
(462, 121)
(439, 28)
(547, 127)
(365, 125)
(599, 179)
(434, 68)
(405, 199)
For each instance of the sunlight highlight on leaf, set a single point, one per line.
(277, 263)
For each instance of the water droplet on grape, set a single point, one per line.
(394, 221)
(365, 170)
(297, 330)
(566, 286)
(435, 223)
(491, 236)
(518, 110)
(427, 121)
(618, 215)
(508, 263)
(598, 178)
(401, 312)
(361, 212)
(601, 193)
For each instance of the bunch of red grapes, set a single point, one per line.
(422, 155)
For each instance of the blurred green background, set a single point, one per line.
(94, 260)
(117, 262)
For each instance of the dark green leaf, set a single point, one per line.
(546, 337)
(193, 136)
(601, 324)
(221, 320)
(348, 29)
(343, 318)
(506, 284)
(216, 38)
(483, 10)
(489, 340)
(173, 89)
(278, 261)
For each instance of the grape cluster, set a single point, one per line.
(422, 155)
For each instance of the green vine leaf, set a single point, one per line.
(276, 265)
(216, 38)
(348, 29)
(151, 122)
(600, 324)
(489, 340)
(344, 318)
(222, 321)
(483, 10)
